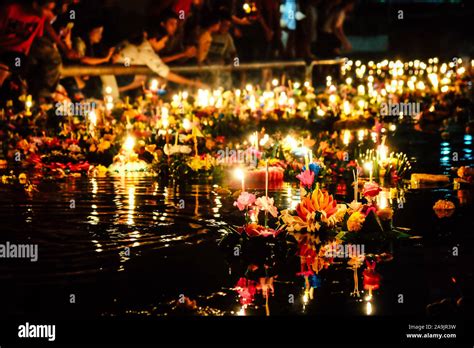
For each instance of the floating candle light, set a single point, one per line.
(129, 144)
(28, 105)
(240, 175)
(369, 166)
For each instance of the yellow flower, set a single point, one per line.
(5, 179)
(196, 163)
(22, 178)
(355, 222)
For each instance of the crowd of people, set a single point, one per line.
(38, 37)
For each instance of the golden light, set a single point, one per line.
(444, 89)
(108, 90)
(383, 152)
(368, 165)
(187, 124)
(296, 85)
(239, 174)
(382, 199)
(305, 298)
(129, 143)
(420, 85)
(283, 99)
(249, 88)
(361, 90)
(369, 308)
(434, 80)
(253, 138)
(164, 117)
(291, 142)
(361, 104)
(361, 134)
(346, 137)
(247, 8)
(264, 140)
(346, 106)
(349, 81)
(154, 85)
(275, 82)
(332, 99)
(93, 118)
(320, 112)
(241, 312)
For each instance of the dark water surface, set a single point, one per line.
(172, 233)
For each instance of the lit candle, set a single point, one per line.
(370, 167)
(306, 158)
(266, 180)
(28, 105)
(355, 173)
(239, 174)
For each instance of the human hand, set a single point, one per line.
(190, 52)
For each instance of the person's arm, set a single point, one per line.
(182, 80)
(70, 54)
(241, 21)
(203, 49)
(138, 82)
(97, 61)
(188, 53)
(268, 31)
(338, 30)
(154, 62)
(230, 51)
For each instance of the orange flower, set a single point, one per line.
(444, 208)
(313, 212)
(355, 222)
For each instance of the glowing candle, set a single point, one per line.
(28, 105)
(266, 179)
(129, 144)
(239, 174)
(370, 167)
(346, 137)
(355, 173)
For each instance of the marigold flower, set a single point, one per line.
(355, 222)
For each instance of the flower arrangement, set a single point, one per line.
(314, 223)
(260, 248)
(368, 223)
(444, 208)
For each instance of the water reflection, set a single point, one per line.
(168, 234)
